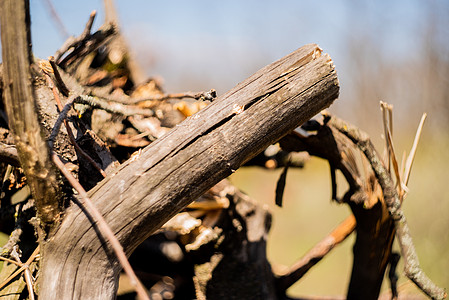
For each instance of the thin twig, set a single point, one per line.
(75, 42)
(395, 164)
(383, 107)
(387, 118)
(67, 127)
(62, 115)
(14, 238)
(202, 96)
(30, 283)
(117, 108)
(11, 261)
(11, 277)
(88, 27)
(22, 267)
(403, 160)
(82, 46)
(104, 228)
(411, 156)
(390, 117)
(27, 274)
(59, 82)
(313, 256)
(411, 263)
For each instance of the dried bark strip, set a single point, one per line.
(177, 168)
(21, 108)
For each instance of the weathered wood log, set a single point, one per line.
(177, 168)
(21, 108)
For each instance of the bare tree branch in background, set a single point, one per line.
(118, 50)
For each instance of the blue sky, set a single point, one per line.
(198, 45)
(222, 42)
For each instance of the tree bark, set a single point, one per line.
(21, 109)
(177, 168)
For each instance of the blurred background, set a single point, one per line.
(394, 51)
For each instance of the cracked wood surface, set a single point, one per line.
(166, 176)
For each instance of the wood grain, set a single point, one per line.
(177, 168)
(21, 109)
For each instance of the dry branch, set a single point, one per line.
(23, 267)
(73, 42)
(64, 111)
(116, 108)
(106, 232)
(209, 96)
(375, 230)
(83, 45)
(118, 49)
(411, 157)
(411, 263)
(177, 168)
(298, 269)
(21, 108)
